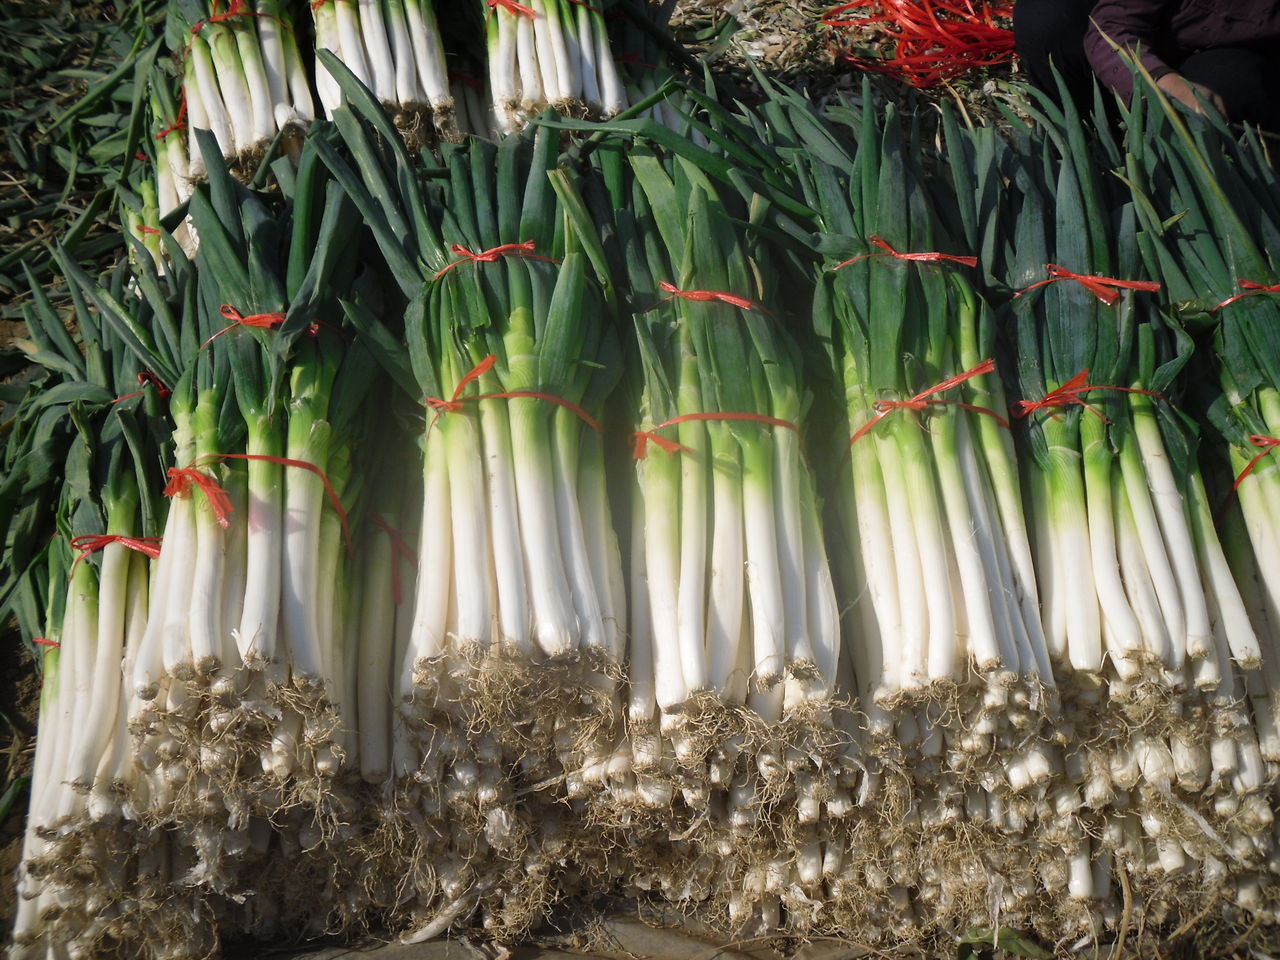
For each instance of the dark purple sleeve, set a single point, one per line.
(1134, 25)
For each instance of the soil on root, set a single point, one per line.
(19, 702)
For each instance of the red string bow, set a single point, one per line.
(519, 9)
(46, 643)
(181, 480)
(1248, 288)
(398, 549)
(706, 296)
(489, 256)
(266, 321)
(178, 124)
(455, 402)
(931, 257)
(145, 377)
(924, 399)
(1072, 392)
(1267, 445)
(643, 437)
(1106, 289)
(236, 8)
(92, 543)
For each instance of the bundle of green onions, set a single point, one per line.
(394, 48)
(243, 76)
(549, 53)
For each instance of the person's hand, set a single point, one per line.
(1185, 92)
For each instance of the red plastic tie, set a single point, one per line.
(932, 257)
(236, 8)
(1267, 445)
(583, 3)
(643, 437)
(706, 296)
(148, 231)
(398, 549)
(489, 256)
(1249, 288)
(1106, 289)
(145, 377)
(46, 643)
(181, 479)
(925, 398)
(1070, 393)
(180, 123)
(141, 157)
(92, 543)
(264, 320)
(519, 9)
(454, 403)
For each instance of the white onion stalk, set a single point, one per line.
(211, 112)
(261, 101)
(233, 86)
(354, 55)
(428, 51)
(382, 67)
(408, 89)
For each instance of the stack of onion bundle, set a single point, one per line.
(394, 48)
(243, 78)
(96, 870)
(734, 639)
(517, 615)
(1216, 265)
(934, 504)
(1156, 652)
(549, 53)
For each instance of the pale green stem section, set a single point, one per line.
(1073, 584)
(587, 598)
(1098, 465)
(514, 603)
(1175, 525)
(660, 482)
(1165, 638)
(725, 588)
(764, 589)
(1140, 589)
(555, 627)
(473, 606)
(979, 591)
(435, 563)
(1220, 584)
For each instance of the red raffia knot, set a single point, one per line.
(398, 549)
(925, 399)
(706, 296)
(932, 257)
(489, 256)
(1106, 289)
(670, 446)
(933, 40)
(145, 377)
(264, 320)
(1072, 393)
(148, 231)
(317, 4)
(46, 643)
(1249, 288)
(1267, 445)
(181, 480)
(92, 543)
(519, 9)
(455, 402)
(180, 123)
